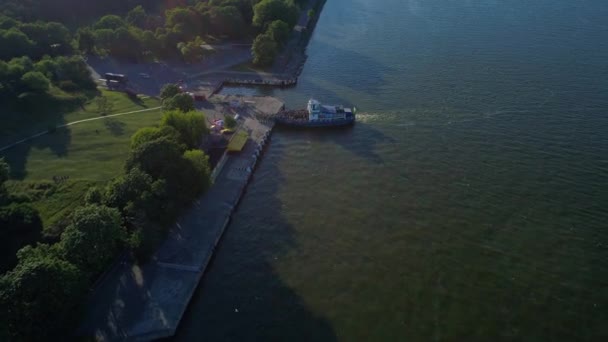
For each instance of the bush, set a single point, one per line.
(93, 196)
(35, 81)
(230, 122)
(68, 85)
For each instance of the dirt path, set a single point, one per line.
(31, 137)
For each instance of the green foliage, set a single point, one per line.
(169, 90)
(137, 16)
(182, 102)
(267, 11)
(230, 122)
(19, 42)
(93, 196)
(20, 225)
(279, 31)
(226, 20)
(35, 81)
(191, 126)
(147, 134)
(193, 50)
(201, 172)
(93, 238)
(158, 158)
(264, 50)
(85, 39)
(311, 13)
(39, 297)
(111, 22)
(127, 189)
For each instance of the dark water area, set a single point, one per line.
(469, 202)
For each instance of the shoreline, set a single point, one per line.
(148, 301)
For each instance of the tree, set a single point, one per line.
(93, 238)
(226, 20)
(183, 102)
(76, 70)
(104, 106)
(93, 196)
(85, 39)
(146, 134)
(19, 42)
(264, 50)
(230, 122)
(200, 179)
(35, 81)
(158, 158)
(267, 11)
(20, 225)
(183, 20)
(190, 125)
(38, 297)
(169, 90)
(279, 31)
(137, 16)
(111, 22)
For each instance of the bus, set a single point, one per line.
(116, 77)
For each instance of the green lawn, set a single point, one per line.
(83, 155)
(15, 126)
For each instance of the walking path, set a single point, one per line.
(73, 123)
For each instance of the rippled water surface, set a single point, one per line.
(469, 202)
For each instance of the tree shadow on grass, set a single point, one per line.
(57, 141)
(115, 127)
(242, 297)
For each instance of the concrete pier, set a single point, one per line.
(144, 302)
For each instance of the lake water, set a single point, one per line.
(469, 202)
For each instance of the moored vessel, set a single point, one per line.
(317, 115)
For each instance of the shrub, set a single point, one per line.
(68, 85)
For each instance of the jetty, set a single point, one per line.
(141, 302)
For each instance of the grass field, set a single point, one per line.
(15, 126)
(78, 156)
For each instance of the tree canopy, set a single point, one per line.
(182, 102)
(264, 50)
(39, 296)
(267, 11)
(93, 237)
(191, 125)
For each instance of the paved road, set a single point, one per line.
(170, 72)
